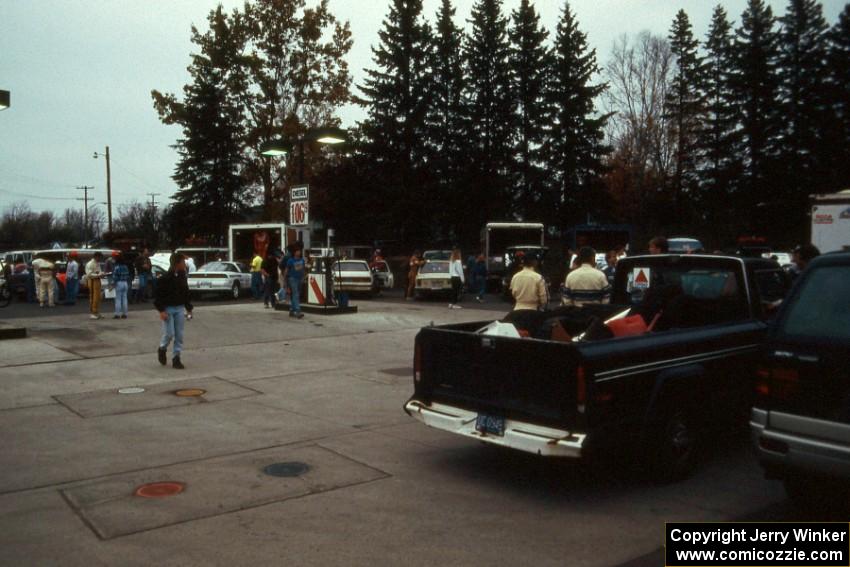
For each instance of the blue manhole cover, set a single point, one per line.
(286, 469)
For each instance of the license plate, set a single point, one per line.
(490, 424)
(205, 284)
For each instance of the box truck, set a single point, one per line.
(246, 240)
(831, 221)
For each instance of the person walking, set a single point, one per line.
(190, 265)
(413, 266)
(72, 279)
(293, 276)
(44, 281)
(94, 275)
(586, 284)
(269, 269)
(172, 302)
(456, 273)
(479, 278)
(256, 276)
(120, 280)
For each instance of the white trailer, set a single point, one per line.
(831, 221)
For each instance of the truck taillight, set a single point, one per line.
(417, 364)
(776, 383)
(581, 389)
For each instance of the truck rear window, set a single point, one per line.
(821, 308)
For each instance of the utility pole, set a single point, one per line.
(85, 199)
(153, 197)
(108, 188)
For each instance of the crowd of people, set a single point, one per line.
(280, 275)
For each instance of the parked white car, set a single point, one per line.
(224, 278)
(383, 273)
(353, 276)
(433, 279)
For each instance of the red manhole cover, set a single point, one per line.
(190, 392)
(159, 489)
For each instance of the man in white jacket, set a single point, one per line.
(44, 281)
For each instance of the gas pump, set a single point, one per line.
(320, 283)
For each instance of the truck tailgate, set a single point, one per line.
(528, 380)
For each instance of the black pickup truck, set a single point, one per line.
(572, 388)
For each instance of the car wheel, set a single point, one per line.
(235, 291)
(675, 447)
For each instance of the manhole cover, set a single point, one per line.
(159, 489)
(286, 469)
(190, 393)
(131, 391)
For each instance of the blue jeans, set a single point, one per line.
(72, 290)
(121, 297)
(172, 328)
(295, 299)
(143, 283)
(256, 284)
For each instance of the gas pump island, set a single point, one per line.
(321, 296)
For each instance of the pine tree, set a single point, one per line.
(574, 144)
(490, 114)
(802, 71)
(685, 107)
(720, 140)
(756, 87)
(211, 190)
(398, 95)
(530, 64)
(446, 128)
(837, 139)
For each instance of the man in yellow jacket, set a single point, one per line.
(528, 287)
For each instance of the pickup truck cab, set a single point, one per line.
(801, 418)
(583, 384)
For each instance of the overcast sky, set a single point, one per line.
(81, 72)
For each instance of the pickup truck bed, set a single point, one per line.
(651, 393)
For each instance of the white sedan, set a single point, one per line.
(223, 278)
(383, 274)
(433, 278)
(353, 276)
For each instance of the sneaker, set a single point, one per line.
(123, 316)
(160, 355)
(175, 362)
(299, 316)
(456, 307)
(99, 316)
(479, 300)
(116, 317)
(451, 305)
(95, 317)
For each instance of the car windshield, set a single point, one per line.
(352, 267)
(685, 245)
(435, 268)
(437, 254)
(216, 267)
(820, 309)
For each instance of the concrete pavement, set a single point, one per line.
(324, 391)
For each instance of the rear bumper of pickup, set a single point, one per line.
(785, 442)
(523, 436)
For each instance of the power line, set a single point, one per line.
(29, 196)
